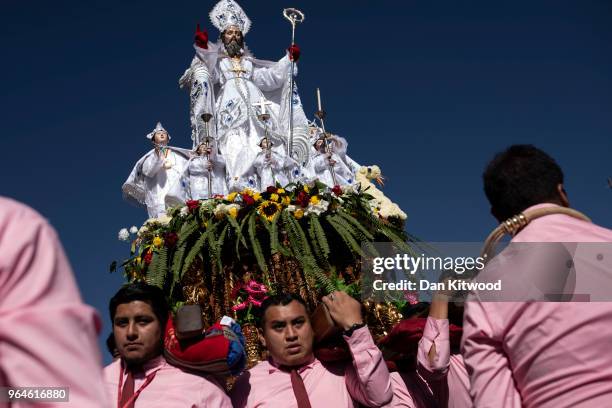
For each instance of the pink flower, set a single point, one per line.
(411, 297)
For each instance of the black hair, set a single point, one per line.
(519, 177)
(111, 346)
(280, 299)
(145, 293)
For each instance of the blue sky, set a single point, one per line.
(427, 90)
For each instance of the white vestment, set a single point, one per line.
(153, 177)
(322, 170)
(196, 175)
(276, 168)
(228, 90)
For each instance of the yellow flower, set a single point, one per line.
(233, 212)
(314, 200)
(274, 197)
(232, 196)
(281, 191)
(299, 213)
(157, 242)
(138, 259)
(248, 192)
(269, 209)
(306, 189)
(257, 197)
(286, 200)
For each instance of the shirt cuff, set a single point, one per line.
(360, 340)
(436, 332)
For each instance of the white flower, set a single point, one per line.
(220, 209)
(134, 229)
(291, 208)
(164, 219)
(124, 234)
(349, 189)
(184, 211)
(317, 208)
(143, 230)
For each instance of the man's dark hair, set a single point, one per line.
(519, 177)
(145, 293)
(111, 345)
(280, 299)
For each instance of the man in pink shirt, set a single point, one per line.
(142, 377)
(537, 354)
(439, 364)
(47, 335)
(293, 377)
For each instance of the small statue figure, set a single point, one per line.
(156, 173)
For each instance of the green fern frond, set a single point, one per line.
(255, 245)
(158, 268)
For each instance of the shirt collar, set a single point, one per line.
(274, 366)
(152, 365)
(541, 205)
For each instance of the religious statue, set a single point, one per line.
(205, 173)
(156, 173)
(273, 167)
(226, 80)
(330, 163)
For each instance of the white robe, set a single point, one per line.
(344, 173)
(150, 181)
(216, 88)
(275, 169)
(196, 174)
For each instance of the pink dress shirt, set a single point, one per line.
(365, 381)
(541, 354)
(446, 373)
(47, 335)
(170, 388)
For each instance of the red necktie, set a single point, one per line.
(299, 390)
(128, 391)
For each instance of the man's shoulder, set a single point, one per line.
(260, 369)
(12, 210)
(111, 371)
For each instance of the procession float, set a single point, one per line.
(264, 201)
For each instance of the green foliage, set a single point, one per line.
(158, 268)
(321, 244)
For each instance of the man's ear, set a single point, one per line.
(563, 195)
(262, 339)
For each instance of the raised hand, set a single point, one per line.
(294, 52)
(343, 309)
(201, 37)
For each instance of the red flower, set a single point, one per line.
(170, 238)
(247, 199)
(271, 189)
(337, 190)
(193, 205)
(148, 257)
(218, 196)
(303, 199)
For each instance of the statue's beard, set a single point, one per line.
(233, 48)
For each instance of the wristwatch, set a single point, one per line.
(349, 332)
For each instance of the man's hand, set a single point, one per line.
(294, 52)
(345, 310)
(201, 37)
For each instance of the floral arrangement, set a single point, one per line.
(247, 298)
(261, 236)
